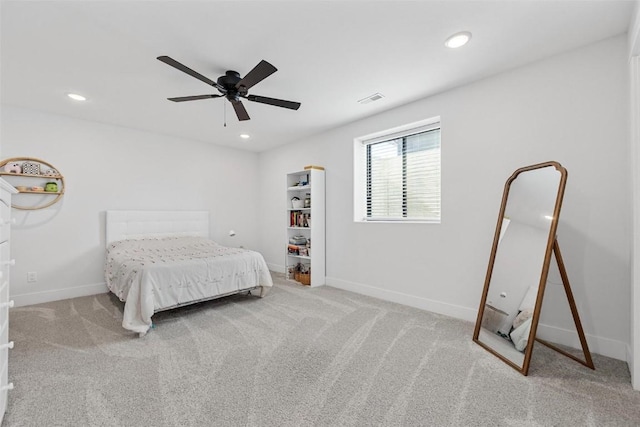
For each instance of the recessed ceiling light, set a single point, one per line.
(458, 40)
(76, 97)
(244, 136)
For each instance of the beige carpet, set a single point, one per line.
(298, 357)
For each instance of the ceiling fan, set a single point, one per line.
(233, 87)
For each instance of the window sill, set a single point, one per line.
(398, 221)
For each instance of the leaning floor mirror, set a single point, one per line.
(523, 246)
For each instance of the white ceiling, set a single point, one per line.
(329, 54)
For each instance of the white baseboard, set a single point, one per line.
(58, 294)
(457, 311)
(276, 267)
(600, 345)
(634, 381)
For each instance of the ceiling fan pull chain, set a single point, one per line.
(225, 114)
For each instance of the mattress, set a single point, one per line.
(155, 274)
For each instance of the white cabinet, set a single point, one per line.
(6, 262)
(305, 224)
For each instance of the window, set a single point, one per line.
(398, 174)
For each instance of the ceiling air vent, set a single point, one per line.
(371, 98)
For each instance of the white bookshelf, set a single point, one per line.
(307, 221)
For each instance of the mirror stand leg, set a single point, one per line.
(588, 362)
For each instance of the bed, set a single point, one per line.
(160, 260)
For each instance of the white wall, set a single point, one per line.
(107, 167)
(571, 108)
(634, 31)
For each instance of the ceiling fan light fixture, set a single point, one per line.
(458, 40)
(76, 97)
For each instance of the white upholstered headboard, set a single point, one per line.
(138, 224)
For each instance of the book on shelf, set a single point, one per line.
(299, 219)
(297, 250)
(293, 249)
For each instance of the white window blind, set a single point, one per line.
(403, 177)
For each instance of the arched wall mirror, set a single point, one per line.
(524, 241)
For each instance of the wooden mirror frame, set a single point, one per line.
(551, 247)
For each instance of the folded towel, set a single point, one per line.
(520, 335)
(522, 317)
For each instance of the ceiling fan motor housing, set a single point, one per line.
(229, 81)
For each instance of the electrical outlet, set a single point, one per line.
(32, 276)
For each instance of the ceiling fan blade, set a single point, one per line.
(175, 64)
(259, 73)
(273, 101)
(193, 98)
(241, 112)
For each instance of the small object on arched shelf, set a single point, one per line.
(31, 168)
(51, 187)
(13, 167)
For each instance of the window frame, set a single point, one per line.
(361, 162)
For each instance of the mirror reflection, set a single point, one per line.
(520, 260)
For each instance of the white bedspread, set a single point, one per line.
(154, 274)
